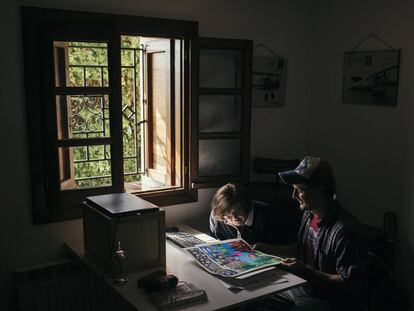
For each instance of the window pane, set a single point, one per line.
(178, 123)
(81, 116)
(94, 76)
(84, 167)
(219, 157)
(229, 63)
(81, 153)
(129, 86)
(127, 57)
(76, 77)
(130, 42)
(130, 166)
(80, 64)
(219, 113)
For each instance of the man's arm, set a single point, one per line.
(329, 281)
(351, 266)
(297, 267)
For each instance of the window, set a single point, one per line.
(113, 105)
(108, 101)
(151, 106)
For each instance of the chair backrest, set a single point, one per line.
(390, 230)
(381, 283)
(275, 193)
(384, 294)
(273, 167)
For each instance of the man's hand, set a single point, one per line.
(297, 267)
(310, 274)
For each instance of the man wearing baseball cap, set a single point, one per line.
(331, 254)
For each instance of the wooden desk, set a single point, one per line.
(181, 264)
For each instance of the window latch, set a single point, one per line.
(141, 122)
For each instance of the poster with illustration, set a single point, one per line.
(371, 78)
(231, 258)
(269, 81)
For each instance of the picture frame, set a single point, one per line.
(371, 77)
(269, 81)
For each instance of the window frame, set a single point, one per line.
(244, 91)
(40, 28)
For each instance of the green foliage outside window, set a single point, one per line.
(89, 115)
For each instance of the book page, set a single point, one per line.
(231, 258)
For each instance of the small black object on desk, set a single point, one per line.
(157, 280)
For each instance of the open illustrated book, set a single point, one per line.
(231, 258)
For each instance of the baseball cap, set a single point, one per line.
(312, 170)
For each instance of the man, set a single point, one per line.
(331, 253)
(235, 215)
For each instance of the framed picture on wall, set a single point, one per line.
(269, 81)
(371, 78)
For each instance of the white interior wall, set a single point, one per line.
(281, 25)
(370, 146)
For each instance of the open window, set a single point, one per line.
(108, 101)
(115, 103)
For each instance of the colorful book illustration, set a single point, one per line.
(231, 258)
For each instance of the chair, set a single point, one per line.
(272, 192)
(384, 293)
(390, 230)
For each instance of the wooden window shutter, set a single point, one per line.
(66, 167)
(160, 141)
(221, 130)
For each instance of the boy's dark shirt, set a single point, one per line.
(269, 226)
(342, 250)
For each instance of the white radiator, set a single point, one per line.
(65, 286)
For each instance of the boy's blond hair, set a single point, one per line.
(231, 197)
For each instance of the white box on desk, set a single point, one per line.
(141, 231)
